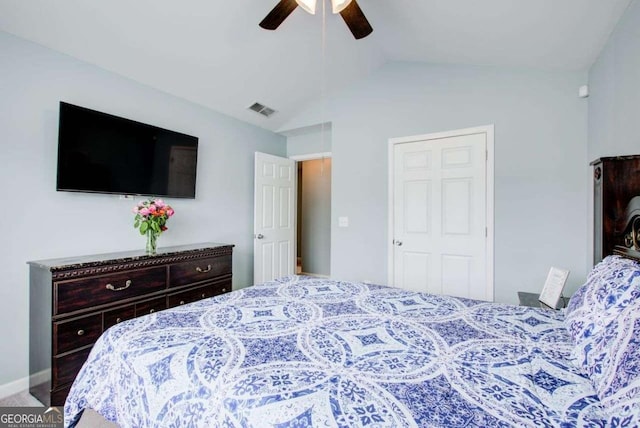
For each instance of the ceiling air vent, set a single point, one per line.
(262, 109)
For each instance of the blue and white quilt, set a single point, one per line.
(302, 352)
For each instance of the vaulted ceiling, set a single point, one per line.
(213, 52)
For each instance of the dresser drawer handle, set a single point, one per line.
(182, 302)
(118, 320)
(199, 269)
(80, 332)
(203, 295)
(127, 284)
(152, 311)
(224, 290)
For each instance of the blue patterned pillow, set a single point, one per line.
(593, 279)
(603, 319)
(611, 286)
(612, 359)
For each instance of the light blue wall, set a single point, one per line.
(614, 82)
(37, 222)
(540, 163)
(309, 140)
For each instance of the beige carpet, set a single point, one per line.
(21, 399)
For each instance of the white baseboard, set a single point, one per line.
(14, 387)
(19, 385)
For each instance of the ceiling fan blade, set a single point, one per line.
(356, 21)
(278, 14)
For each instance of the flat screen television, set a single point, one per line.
(101, 153)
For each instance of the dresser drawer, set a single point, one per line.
(66, 368)
(76, 333)
(116, 316)
(199, 293)
(87, 292)
(59, 396)
(150, 306)
(198, 270)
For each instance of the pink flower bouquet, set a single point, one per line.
(151, 219)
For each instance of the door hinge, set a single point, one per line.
(486, 232)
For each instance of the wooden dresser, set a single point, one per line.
(73, 300)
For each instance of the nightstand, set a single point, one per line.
(531, 300)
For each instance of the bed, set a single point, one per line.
(309, 352)
(303, 351)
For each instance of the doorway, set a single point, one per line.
(313, 230)
(292, 216)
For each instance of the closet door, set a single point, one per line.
(440, 216)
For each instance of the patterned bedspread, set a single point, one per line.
(303, 352)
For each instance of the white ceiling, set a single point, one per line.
(213, 53)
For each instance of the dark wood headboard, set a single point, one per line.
(627, 236)
(616, 185)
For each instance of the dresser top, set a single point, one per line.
(120, 257)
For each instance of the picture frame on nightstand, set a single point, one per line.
(553, 286)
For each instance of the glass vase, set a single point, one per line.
(152, 242)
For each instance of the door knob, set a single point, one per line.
(259, 236)
(397, 243)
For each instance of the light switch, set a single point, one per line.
(343, 221)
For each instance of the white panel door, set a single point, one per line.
(440, 216)
(274, 217)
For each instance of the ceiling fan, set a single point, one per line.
(348, 9)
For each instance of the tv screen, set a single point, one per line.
(101, 153)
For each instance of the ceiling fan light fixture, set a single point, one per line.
(308, 5)
(348, 9)
(338, 6)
